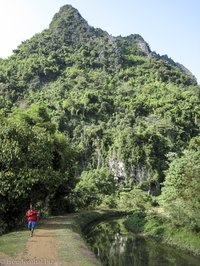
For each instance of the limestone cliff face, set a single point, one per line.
(120, 172)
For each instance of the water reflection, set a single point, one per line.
(114, 246)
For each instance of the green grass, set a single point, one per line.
(13, 243)
(160, 227)
(86, 217)
(183, 239)
(71, 246)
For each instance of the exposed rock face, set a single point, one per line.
(144, 47)
(136, 173)
(142, 173)
(118, 169)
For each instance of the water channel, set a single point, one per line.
(115, 246)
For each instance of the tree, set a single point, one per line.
(180, 194)
(93, 186)
(34, 161)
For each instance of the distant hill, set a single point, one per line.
(127, 111)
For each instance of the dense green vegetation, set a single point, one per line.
(91, 120)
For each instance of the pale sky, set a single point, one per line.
(169, 26)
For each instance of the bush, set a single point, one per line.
(110, 201)
(136, 222)
(154, 224)
(134, 199)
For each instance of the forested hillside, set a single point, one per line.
(89, 119)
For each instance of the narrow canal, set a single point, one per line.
(115, 246)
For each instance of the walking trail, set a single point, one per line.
(41, 248)
(46, 246)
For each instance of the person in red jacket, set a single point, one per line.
(32, 216)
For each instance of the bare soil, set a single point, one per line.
(42, 248)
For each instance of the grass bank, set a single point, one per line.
(161, 228)
(13, 243)
(86, 217)
(72, 248)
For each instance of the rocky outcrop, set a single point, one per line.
(136, 173)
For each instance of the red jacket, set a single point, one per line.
(32, 215)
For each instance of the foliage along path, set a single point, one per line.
(54, 243)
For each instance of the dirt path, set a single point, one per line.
(42, 249)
